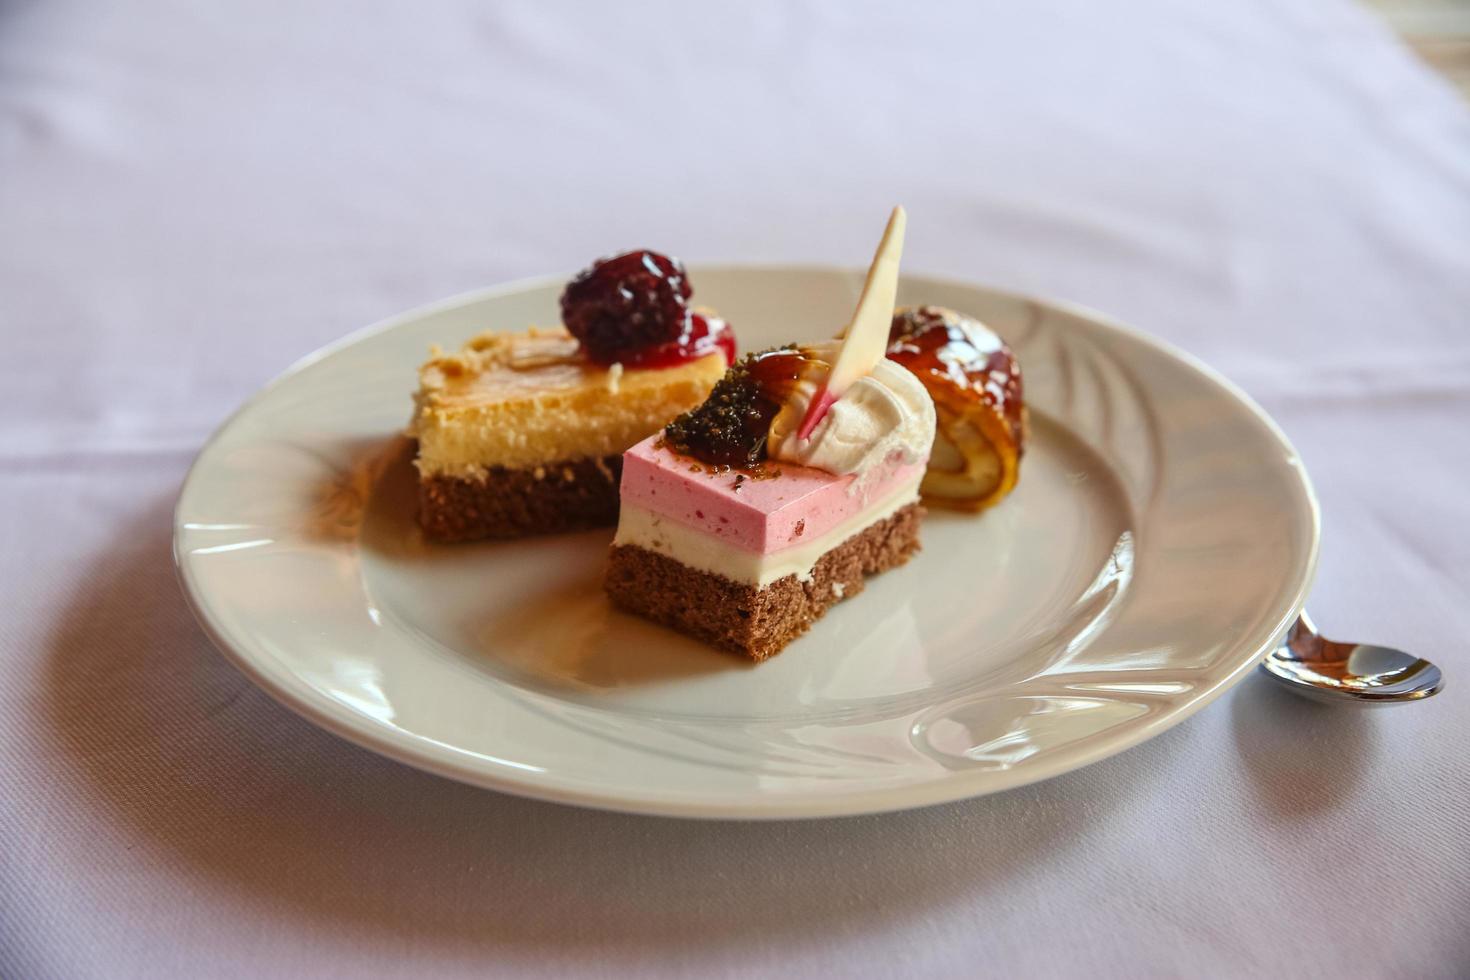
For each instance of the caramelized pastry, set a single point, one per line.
(976, 385)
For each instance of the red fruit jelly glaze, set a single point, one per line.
(703, 335)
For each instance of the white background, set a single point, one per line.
(194, 195)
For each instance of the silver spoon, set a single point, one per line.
(1315, 667)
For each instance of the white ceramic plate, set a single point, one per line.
(1162, 536)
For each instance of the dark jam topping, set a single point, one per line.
(941, 345)
(702, 335)
(730, 428)
(628, 303)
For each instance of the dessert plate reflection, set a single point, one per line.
(1161, 539)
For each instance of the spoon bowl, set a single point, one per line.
(1315, 667)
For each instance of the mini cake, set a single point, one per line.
(749, 517)
(975, 382)
(523, 433)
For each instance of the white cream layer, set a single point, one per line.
(886, 414)
(654, 532)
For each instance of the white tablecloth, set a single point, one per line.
(194, 195)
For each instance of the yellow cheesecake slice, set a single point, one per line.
(521, 433)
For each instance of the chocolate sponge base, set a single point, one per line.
(742, 618)
(511, 503)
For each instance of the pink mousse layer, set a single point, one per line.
(763, 516)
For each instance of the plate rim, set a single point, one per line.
(398, 745)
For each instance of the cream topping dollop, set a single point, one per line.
(885, 415)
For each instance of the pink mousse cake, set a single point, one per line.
(755, 531)
(722, 538)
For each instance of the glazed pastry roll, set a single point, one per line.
(975, 382)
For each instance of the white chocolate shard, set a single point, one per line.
(865, 341)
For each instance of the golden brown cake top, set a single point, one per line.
(531, 398)
(499, 367)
